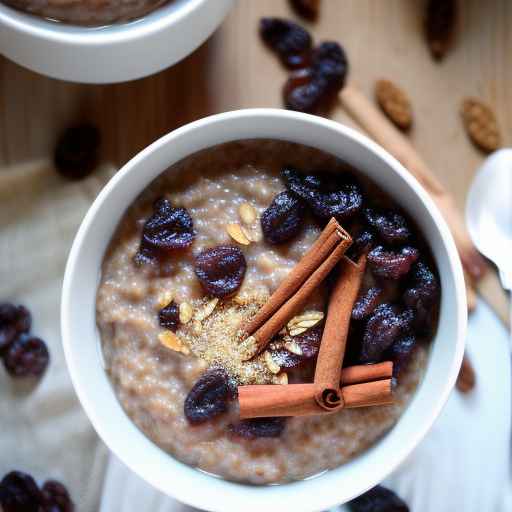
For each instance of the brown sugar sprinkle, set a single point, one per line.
(394, 103)
(216, 340)
(481, 124)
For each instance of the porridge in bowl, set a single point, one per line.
(224, 311)
(88, 12)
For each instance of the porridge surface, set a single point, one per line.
(87, 12)
(152, 381)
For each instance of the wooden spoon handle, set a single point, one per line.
(369, 117)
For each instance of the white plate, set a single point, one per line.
(463, 464)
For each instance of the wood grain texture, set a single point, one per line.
(234, 70)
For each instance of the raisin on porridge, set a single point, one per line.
(92, 13)
(244, 296)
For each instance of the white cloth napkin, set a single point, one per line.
(43, 429)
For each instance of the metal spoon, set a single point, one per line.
(489, 212)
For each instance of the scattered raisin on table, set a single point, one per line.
(221, 270)
(258, 427)
(328, 195)
(27, 356)
(378, 499)
(466, 379)
(308, 9)
(314, 89)
(440, 26)
(394, 103)
(77, 151)
(56, 497)
(290, 41)
(14, 321)
(20, 493)
(283, 219)
(481, 125)
(209, 396)
(169, 316)
(309, 344)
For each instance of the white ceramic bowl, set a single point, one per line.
(114, 53)
(82, 344)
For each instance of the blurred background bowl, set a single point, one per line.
(114, 53)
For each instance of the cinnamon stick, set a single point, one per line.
(297, 301)
(362, 110)
(334, 338)
(259, 401)
(366, 373)
(317, 253)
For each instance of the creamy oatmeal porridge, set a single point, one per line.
(87, 12)
(168, 318)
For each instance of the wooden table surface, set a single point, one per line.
(233, 70)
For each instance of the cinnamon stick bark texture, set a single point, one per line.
(362, 110)
(258, 401)
(313, 271)
(334, 338)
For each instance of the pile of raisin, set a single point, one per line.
(19, 492)
(378, 499)
(320, 72)
(23, 355)
(209, 397)
(77, 151)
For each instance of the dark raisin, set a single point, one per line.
(361, 244)
(391, 264)
(258, 427)
(308, 9)
(366, 303)
(309, 343)
(400, 353)
(27, 356)
(327, 195)
(378, 499)
(330, 64)
(77, 151)
(168, 228)
(423, 296)
(56, 497)
(383, 327)
(20, 493)
(391, 227)
(440, 24)
(14, 320)
(209, 396)
(303, 94)
(290, 41)
(169, 316)
(221, 270)
(283, 219)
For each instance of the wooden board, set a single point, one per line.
(233, 70)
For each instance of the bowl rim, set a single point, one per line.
(91, 36)
(255, 497)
